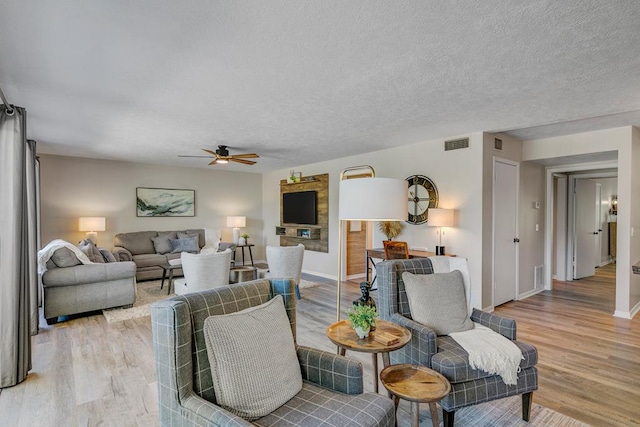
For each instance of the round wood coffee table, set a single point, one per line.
(416, 384)
(343, 335)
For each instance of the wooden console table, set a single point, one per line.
(378, 253)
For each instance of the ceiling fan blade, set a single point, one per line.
(213, 153)
(246, 162)
(208, 157)
(213, 162)
(245, 156)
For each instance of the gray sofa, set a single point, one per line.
(139, 247)
(83, 288)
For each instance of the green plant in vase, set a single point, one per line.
(362, 317)
(244, 239)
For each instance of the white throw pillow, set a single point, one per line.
(253, 359)
(438, 301)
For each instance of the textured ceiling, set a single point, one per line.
(305, 81)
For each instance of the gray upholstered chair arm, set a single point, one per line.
(499, 324)
(204, 413)
(423, 339)
(223, 246)
(122, 254)
(329, 370)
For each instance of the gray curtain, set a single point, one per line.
(18, 247)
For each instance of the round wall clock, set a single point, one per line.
(422, 196)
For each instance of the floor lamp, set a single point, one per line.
(368, 199)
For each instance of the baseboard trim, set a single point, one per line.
(627, 314)
(530, 293)
(316, 273)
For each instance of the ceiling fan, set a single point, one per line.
(222, 156)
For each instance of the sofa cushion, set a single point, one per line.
(253, 359)
(137, 243)
(438, 301)
(200, 233)
(64, 257)
(161, 243)
(185, 245)
(149, 260)
(91, 251)
(452, 360)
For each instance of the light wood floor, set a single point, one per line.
(87, 372)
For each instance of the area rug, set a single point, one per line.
(147, 293)
(503, 412)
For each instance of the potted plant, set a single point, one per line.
(390, 229)
(362, 317)
(244, 239)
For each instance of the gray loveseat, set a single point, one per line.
(139, 247)
(82, 288)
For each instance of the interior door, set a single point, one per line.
(505, 232)
(584, 247)
(598, 225)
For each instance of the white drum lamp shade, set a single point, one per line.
(236, 222)
(92, 224)
(373, 199)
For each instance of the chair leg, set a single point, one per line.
(298, 291)
(447, 418)
(527, 398)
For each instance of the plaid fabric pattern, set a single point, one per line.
(317, 406)
(185, 386)
(452, 360)
(443, 354)
(330, 371)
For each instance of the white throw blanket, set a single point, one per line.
(491, 352)
(45, 253)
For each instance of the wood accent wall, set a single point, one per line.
(319, 184)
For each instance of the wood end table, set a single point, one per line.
(417, 384)
(342, 334)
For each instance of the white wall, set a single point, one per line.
(634, 280)
(457, 175)
(74, 187)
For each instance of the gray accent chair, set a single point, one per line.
(443, 354)
(332, 392)
(84, 288)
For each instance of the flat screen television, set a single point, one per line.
(299, 208)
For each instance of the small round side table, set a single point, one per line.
(416, 384)
(342, 334)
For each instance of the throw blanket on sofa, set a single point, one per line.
(491, 352)
(45, 253)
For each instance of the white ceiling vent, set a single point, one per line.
(456, 144)
(497, 144)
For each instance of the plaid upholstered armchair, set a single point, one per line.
(332, 387)
(442, 353)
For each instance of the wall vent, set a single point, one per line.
(456, 144)
(537, 276)
(497, 143)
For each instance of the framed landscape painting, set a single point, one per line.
(165, 202)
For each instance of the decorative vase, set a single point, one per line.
(242, 241)
(362, 332)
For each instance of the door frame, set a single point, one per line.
(493, 225)
(549, 209)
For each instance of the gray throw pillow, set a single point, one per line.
(64, 257)
(91, 251)
(253, 359)
(185, 245)
(438, 301)
(162, 244)
(107, 255)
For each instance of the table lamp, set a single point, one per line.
(92, 224)
(236, 222)
(440, 218)
(368, 199)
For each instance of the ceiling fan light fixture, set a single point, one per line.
(223, 161)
